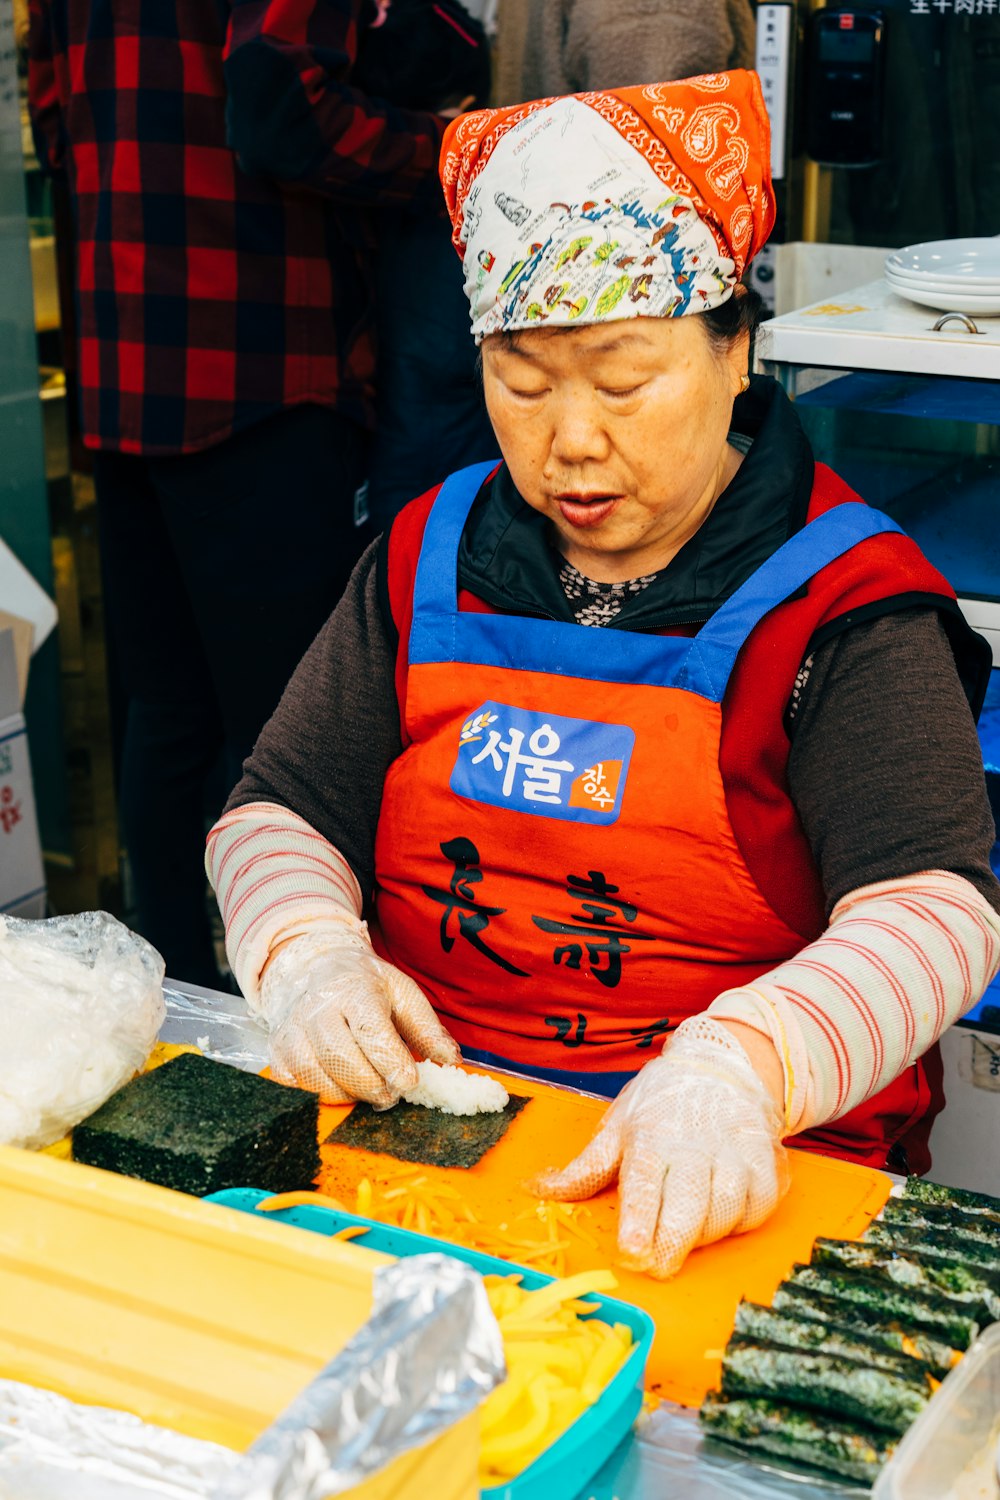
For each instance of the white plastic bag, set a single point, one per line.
(81, 1002)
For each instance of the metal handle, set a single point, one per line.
(963, 318)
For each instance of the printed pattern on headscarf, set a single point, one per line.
(637, 202)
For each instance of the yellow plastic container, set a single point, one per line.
(117, 1293)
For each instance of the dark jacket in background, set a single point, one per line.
(569, 46)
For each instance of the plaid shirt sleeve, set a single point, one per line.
(292, 115)
(43, 94)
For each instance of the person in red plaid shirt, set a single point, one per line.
(221, 169)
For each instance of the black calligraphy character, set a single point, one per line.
(596, 935)
(647, 1034)
(563, 1026)
(596, 884)
(473, 918)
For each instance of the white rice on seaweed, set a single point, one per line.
(455, 1092)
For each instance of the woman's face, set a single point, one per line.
(616, 433)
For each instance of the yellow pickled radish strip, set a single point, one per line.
(279, 1201)
(558, 1365)
(519, 1445)
(504, 1301)
(350, 1232)
(539, 1304)
(601, 1368)
(502, 1402)
(513, 1331)
(445, 1190)
(401, 1192)
(547, 1355)
(566, 1212)
(567, 1405)
(363, 1198)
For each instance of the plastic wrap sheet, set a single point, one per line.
(429, 1354)
(80, 1006)
(669, 1455)
(221, 1025)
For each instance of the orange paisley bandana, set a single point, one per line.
(645, 201)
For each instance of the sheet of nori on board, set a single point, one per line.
(428, 1137)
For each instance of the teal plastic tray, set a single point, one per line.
(565, 1468)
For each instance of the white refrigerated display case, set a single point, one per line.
(909, 415)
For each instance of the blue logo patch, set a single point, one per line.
(543, 763)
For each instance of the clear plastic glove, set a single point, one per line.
(695, 1142)
(345, 1023)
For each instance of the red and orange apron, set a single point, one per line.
(555, 864)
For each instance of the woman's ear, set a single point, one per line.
(738, 360)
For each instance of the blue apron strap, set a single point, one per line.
(702, 665)
(435, 588)
(714, 650)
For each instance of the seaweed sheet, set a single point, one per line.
(426, 1136)
(790, 1432)
(200, 1126)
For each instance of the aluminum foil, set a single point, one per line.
(670, 1454)
(52, 1449)
(429, 1354)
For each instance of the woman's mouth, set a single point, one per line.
(586, 510)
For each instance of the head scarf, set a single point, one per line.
(635, 202)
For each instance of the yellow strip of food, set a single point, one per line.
(558, 1363)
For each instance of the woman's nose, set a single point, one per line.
(579, 434)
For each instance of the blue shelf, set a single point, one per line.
(929, 398)
(989, 726)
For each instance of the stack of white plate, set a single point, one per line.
(950, 275)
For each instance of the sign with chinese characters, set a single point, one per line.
(954, 7)
(574, 769)
(22, 879)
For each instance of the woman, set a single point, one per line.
(746, 818)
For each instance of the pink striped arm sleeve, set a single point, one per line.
(899, 963)
(274, 876)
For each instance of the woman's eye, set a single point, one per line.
(526, 395)
(619, 393)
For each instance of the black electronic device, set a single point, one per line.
(845, 87)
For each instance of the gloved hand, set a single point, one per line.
(339, 1017)
(695, 1142)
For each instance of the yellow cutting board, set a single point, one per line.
(693, 1312)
